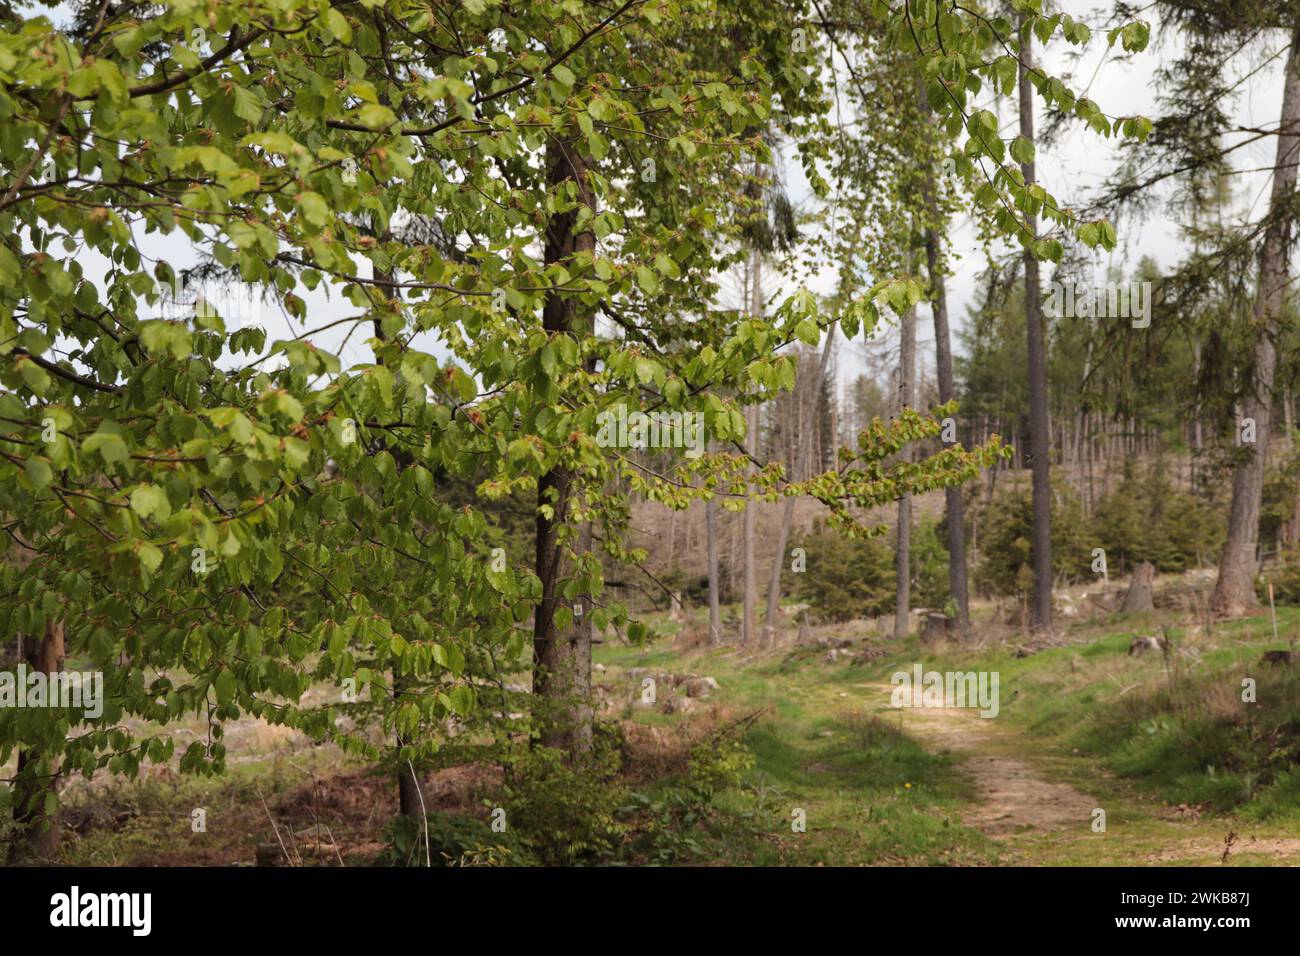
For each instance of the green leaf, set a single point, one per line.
(314, 209)
(150, 501)
(38, 472)
(108, 444)
(647, 280)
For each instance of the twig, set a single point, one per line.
(424, 815)
(275, 828)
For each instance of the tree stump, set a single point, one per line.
(936, 627)
(1139, 596)
(676, 610)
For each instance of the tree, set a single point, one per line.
(1039, 426)
(219, 521)
(935, 220)
(903, 528)
(1234, 589)
(562, 655)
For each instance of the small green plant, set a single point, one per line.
(671, 826)
(564, 806)
(454, 840)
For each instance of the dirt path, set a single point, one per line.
(1016, 804)
(1012, 797)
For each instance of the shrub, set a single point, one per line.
(563, 806)
(1144, 519)
(846, 578)
(1006, 536)
(668, 826)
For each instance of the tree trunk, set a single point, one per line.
(802, 454)
(34, 781)
(749, 629)
(409, 802)
(956, 509)
(562, 656)
(1140, 596)
(715, 585)
(1234, 591)
(1039, 428)
(903, 548)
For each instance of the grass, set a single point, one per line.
(834, 778)
(869, 793)
(1141, 734)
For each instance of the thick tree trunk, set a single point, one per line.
(1141, 589)
(802, 455)
(562, 656)
(1234, 591)
(33, 782)
(1039, 426)
(903, 543)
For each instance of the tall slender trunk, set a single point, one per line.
(803, 455)
(562, 656)
(35, 780)
(1288, 412)
(409, 802)
(1039, 426)
(715, 585)
(1234, 591)
(956, 508)
(749, 626)
(903, 548)
(1197, 431)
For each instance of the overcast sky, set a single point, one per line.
(1070, 168)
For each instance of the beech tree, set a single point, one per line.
(523, 212)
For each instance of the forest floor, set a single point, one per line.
(1025, 787)
(1184, 772)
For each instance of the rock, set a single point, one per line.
(1141, 645)
(834, 642)
(678, 705)
(699, 686)
(868, 654)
